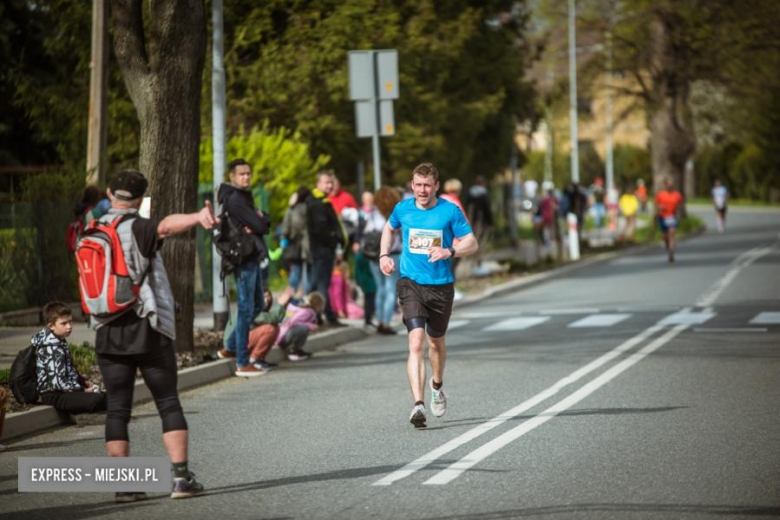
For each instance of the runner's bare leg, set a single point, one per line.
(438, 355)
(415, 366)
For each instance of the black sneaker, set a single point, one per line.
(298, 355)
(123, 497)
(186, 488)
(336, 324)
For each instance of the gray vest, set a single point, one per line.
(155, 300)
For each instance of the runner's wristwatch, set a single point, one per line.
(452, 252)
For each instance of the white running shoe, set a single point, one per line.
(438, 400)
(417, 418)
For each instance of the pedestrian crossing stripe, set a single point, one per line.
(766, 318)
(599, 320)
(521, 323)
(687, 318)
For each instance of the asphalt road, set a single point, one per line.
(632, 389)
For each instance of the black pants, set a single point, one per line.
(322, 269)
(158, 369)
(370, 306)
(75, 402)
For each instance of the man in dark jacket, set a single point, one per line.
(236, 200)
(326, 235)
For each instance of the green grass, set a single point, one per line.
(84, 357)
(5, 374)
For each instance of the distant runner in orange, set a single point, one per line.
(667, 204)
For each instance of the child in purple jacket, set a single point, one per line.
(298, 322)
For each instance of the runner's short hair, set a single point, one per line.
(426, 169)
(232, 165)
(54, 311)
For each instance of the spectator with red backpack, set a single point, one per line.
(132, 309)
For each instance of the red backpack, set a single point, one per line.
(104, 281)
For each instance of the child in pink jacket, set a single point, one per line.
(298, 322)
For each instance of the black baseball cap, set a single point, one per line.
(128, 185)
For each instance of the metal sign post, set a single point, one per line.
(373, 85)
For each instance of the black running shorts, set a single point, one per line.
(432, 302)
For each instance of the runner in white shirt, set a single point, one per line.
(720, 198)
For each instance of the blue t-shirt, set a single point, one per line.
(423, 229)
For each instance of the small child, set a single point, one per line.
(59, 383)
(338, 292)
(266, 329)
(299, 321)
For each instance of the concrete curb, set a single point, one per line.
(41, 418)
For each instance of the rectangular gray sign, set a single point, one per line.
(387, 73)
(361, 75)
(90, 474)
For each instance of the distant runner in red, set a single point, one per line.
(667, 204)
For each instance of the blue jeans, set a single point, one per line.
(385, 290)
(249, 286)
(298, 276)
(321, 271)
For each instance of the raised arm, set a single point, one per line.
(180, 222)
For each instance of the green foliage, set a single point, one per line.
(459, 78)
(18, 267)
(280, 160)
(5, 376)
(49, 85)
(84, 357)
(631, 163)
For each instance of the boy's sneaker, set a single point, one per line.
(249, 371)
(418, 416)
(438, 401)
(266, 367)
(224, 353)
(298, 355)
(122, 497)
(186, 488)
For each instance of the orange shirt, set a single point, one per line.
(667, 202)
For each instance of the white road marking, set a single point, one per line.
(599, 320)
(498, 313)
(742, 261)
(566, 312)
(684, 317)
(485, 427)
(731, 329)
(517, 323)
(455, 470)
(766, 318)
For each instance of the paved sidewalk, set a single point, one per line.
(14, 339)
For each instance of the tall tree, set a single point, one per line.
(161, 54)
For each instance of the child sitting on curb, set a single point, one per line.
(266, 329)
(59, 383)
(299, 321)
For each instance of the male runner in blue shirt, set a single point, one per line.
(426, 288)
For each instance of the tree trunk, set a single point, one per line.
(163, 75)
(671, 124)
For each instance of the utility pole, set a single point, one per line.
(98, 81)
(610, 157)
(218, 110)
(575, 159)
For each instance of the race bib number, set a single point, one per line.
(422, 240)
